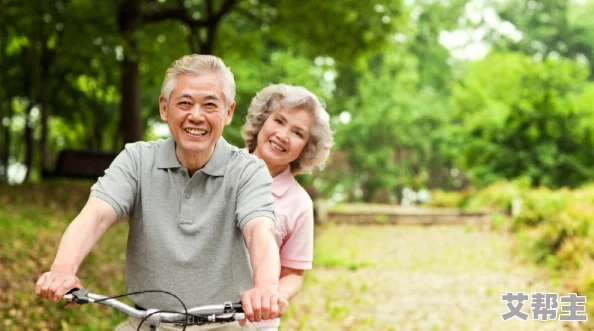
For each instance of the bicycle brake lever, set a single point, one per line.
(79, 296)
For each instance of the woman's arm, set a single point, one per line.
(291, 282)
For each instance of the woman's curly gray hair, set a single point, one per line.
(281, 96)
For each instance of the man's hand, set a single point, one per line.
(262, 304)
(53, 285)
(77, 241)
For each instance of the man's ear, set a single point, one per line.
(230, 113)
(163, 108)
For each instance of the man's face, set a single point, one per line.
(195, 113)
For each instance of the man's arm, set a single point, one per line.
(261, 302)
(78, 240)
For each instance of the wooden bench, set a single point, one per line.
(80, 164)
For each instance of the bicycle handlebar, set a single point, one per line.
(219, 313)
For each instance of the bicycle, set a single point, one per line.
(209, 314)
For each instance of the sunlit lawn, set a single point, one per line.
(415, 278)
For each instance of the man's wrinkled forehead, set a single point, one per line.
(206, 97)
(212, 87)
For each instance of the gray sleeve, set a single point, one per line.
(254, 194)
(119, 185)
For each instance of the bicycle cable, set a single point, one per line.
(158, 311)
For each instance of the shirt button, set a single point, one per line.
(188, 195)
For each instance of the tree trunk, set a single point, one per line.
(211, 34)
(128, 22)
(131, 122)
(47, 59)
(211, 24)
(98, 128)
(194, 40)
(4, 106)
(44, 94)
(28, 142)
(29, 90)
(211, 29)
(199, 46)
(6, 147)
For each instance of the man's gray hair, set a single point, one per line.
(197, 64)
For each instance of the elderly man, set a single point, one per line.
(201, 212)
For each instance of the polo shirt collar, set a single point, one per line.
(217, 164)
(214, 167)
(166, 158)
(282, 182)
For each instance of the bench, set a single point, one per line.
(80, 164)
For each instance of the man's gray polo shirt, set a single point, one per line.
(185, 233)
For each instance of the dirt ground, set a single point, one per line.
(417, 278)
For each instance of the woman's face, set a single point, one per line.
(283, 137)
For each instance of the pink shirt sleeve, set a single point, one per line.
(297, 249)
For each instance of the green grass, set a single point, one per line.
(376, 277)
(32, 219)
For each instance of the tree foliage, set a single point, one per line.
(520, 117)
(86, 74)
(95, 67)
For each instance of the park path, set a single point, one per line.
(383, 277)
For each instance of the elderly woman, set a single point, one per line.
(289, 129)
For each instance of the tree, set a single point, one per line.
(90, 57)
(550, 28)
(204, 18)
(396, 99)
(31, 40)
(521, 117)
